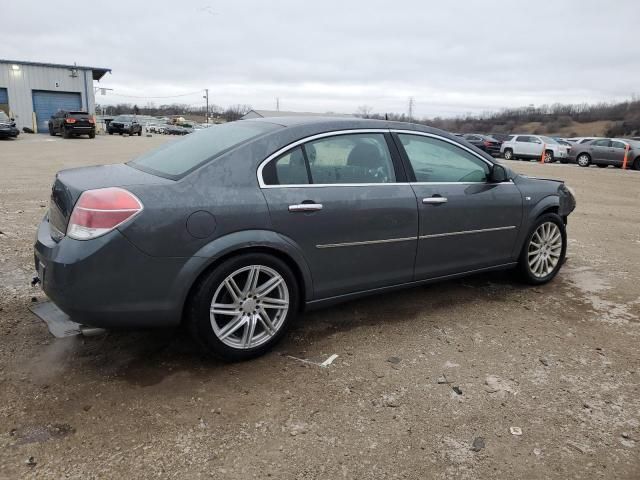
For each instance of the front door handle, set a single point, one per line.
(435, 200)
(305, 207)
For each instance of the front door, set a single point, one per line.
(466, 223)
(600, 150)
(340, 200)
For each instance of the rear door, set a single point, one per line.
(343, 199)
(466, 223)
(617, 152)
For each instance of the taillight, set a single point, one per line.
(92, 120)
(487, 143)
(70, 120)
(99, 211)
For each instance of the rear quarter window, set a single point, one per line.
(177, 158)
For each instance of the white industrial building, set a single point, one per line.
(32, 92)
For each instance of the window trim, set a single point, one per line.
(403, 169)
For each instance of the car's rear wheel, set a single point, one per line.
(92, 134)
(51, 132)
(508, 154)
(544, 250)
(584, 160)
(636, 164)
(66, 133)
(548, 156)
(140, 132)
(242, 309)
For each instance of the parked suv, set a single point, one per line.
(125, 124)
(607, 151)
(69, 124)
(484, 142)
(7, 126)
(530, 146)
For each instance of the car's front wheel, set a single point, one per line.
(544, 250)
(508, 154)
(548, 156)
(243, 307)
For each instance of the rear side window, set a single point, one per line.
(178, 158)
(435, 160)
(353, 158)
(616, 144)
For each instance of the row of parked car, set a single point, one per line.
(584, 151)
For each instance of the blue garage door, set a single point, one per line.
(4, 100)
(45, 104)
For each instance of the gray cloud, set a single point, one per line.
(335, 55)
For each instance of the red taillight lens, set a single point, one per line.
(92, 120)
(99, 211)
(70, 120)
(487, 143)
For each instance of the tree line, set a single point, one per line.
(228, 114)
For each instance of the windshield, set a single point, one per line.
(123, 118)
(176, 159)
(3, 116)
(550, 140)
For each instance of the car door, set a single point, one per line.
(466, 222)
(535, 147)
(521, 146)
(600, 150)
(343, 199)
(616, 152)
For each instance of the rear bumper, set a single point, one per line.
(80, 129)
(9, 132)
(107, 282)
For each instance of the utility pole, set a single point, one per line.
(410, 108)
(278, 104)
(206, 96)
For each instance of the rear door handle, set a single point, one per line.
(305, 207)
(434, 200)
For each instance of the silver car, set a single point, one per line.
(236, 229)
(529, 147)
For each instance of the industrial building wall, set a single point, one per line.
(21, 83)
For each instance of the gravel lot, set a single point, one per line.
(561, 362)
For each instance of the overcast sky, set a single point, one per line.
(452, 57)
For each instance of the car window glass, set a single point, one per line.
(287, 169)
(435, 160)
(522, 138)
(357, 158)
(534, 140)
(616, 144)
(601, 143)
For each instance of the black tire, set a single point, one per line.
(601, 165)
(636, 164)
(110, 132)
(508, 154)
(586, 160)
(524, 269)
(198, 316)
(140, 132)
(564, 160)
(92, 134)
(66, 133)
(51, 132)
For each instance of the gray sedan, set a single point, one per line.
(237, 228)
(607, 151)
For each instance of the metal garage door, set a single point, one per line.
(47, 103)
(4, 100)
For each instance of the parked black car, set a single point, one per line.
(7, 126)
(484, 142)
(71, 124)
(124, 124)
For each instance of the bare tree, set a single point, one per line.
(364, 111)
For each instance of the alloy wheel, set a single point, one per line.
(545, 248)
(249, 306)
(548, 157)
(583, 160)
(508, 155)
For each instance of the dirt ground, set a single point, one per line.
(561, 362)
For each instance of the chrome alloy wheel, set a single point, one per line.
(545, 248)
(249, 306)
(583, 160)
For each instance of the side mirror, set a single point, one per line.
(498, 174)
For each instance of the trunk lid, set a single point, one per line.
(69, 185)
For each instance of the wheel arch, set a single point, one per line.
(220, 250)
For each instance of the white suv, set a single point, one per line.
(531, 146)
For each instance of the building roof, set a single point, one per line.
(279, 113)
(98, 72)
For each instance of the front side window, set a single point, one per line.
(340, 159)
(523, 139)
(435, 160)
(600, 143)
